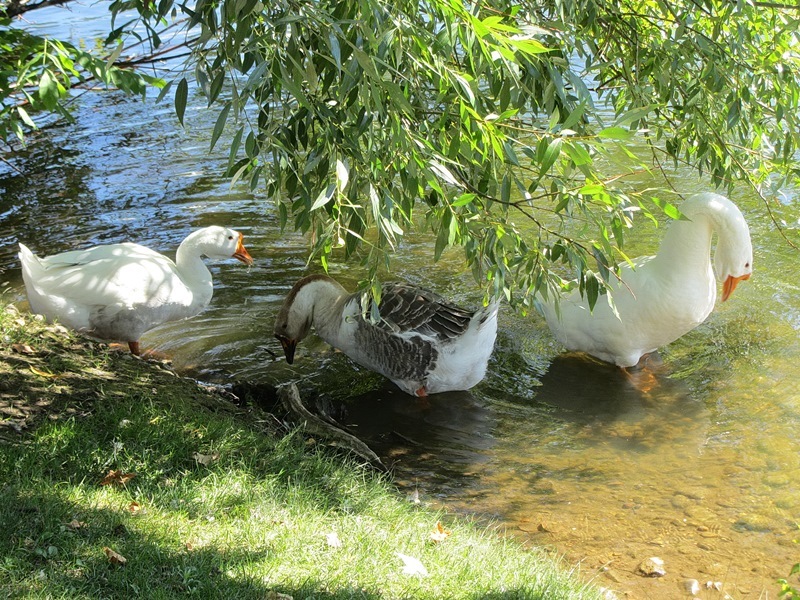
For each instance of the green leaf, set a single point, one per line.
(669, 209)
(235, 145)
(48, 90)
(181, 97)
(551, 154)
(529, 46)
(115, 54)
(396, 94)
(23, 114)
(615, 133)
(592, 290)
(633, 115)
(164, 89)
(342, 175)
(464, 199)
(324, 197)
(219, 126)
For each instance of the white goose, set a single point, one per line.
(119, 291)
(665, 296)
(423, 344)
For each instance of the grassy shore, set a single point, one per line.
(119, 479)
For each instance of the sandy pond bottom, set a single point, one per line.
(607, 484)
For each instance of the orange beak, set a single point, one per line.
(242, 254)
(730, 284)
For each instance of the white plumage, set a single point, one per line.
(422, 343)
(119, 291)
(664, 296)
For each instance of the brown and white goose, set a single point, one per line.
(664, 296)
(422, 343)
(119, 291)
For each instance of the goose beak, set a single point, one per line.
(288, 348)
(730, 284)
(242, 254)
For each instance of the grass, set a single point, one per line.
(224, 502)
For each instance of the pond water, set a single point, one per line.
(700, 467)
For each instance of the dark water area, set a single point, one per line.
(696, 461)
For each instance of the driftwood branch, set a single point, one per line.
(16, 8)
(290, 398)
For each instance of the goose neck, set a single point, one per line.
(324, 300)
(687, 243)
(192, 269)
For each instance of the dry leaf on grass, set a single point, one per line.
(75, 524)
(412, 566)
(23, 349)
(439, 534)
(117, 477)
(41, 373)
(115, 558)
(134, 507)
(273, 595)
(206, 459)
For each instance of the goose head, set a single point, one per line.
(220, 243)
(294, 319)
(733, 259)
(313, 298)
(291, 326)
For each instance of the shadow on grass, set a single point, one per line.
(224, 503)
(61, 544)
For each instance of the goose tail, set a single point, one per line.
(487, 314)
(31, 264)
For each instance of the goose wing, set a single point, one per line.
(126, 273)
(407, 309)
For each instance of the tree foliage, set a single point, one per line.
(505, 128)
(38, 73)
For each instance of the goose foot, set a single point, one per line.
(643, 376)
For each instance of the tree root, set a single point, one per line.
(290, 398)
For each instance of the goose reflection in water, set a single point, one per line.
(582, 405)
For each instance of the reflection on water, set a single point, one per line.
(695, 459)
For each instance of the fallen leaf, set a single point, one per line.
(412, 566)
(134, 507)
(439, 534)
(206, 459)
(333, 540)
(75, 524)
(117, 477)
(23, 349)
(41, 373)
(189, 546)
(273, 595)
(114, 557)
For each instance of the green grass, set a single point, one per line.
(251, 524)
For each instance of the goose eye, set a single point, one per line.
(230, 237)
(747, 265)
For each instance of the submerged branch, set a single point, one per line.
(290, 398)
(16, 8)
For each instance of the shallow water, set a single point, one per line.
(699, 465)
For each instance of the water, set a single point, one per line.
(700, 466)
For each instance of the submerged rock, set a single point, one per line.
(651, 567)
(691, 586)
